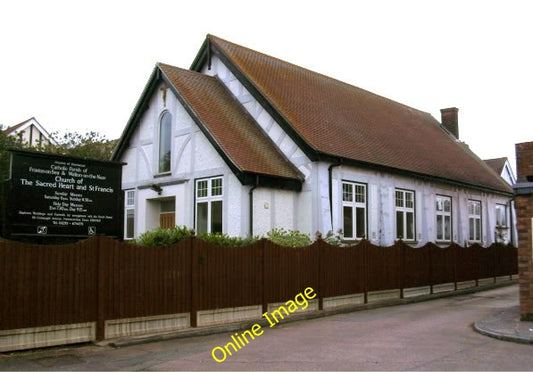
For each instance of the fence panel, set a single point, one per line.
(416, 266)
(442, 262)
(484, 261)
(343, 270)
(383, 265)
(289, 271)
(228, 276)
(465, 267)
(47, 285)
(145, 281)
(506, 260)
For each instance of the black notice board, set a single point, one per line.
(52, 195)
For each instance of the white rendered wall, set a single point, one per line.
(193, 157)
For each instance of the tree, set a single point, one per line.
(7, 142)
(91, 145)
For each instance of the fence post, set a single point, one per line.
(455, 248)
(194, 280)
(365, 249)
(264, 302)
(403, 253)
(101, 289)
(321, 255)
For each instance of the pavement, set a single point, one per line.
(503, 325)
(506, 325)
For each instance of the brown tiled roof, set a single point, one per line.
(340, 120)
(496, 164)
(233, 129)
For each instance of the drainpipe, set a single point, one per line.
(251, 194)
(330, 176)
(511, 222)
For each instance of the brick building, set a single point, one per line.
(524, 209)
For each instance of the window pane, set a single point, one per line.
(130, 198)
(216, 187)
(360, 196)
(439, 205)
(201, 218)
(399, 225)
(478, 229)
(399, 199)
(201, 189)
(347, 192)
(216, 216)
(409, 200)
(439, 228)
(447, 228)
(447, 205)
(471, 229)
(168, 206)
(348, 222)
(165, 136)
(130, 223)
(360, 217)
(410, 224)
(477, 209)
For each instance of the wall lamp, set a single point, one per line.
(156, 188)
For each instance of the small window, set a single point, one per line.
(165, 136)
(405, 214)
(129, 220)
(444, 218)
(209, 199)
(501, 215)
(474, 220)
(354, 210)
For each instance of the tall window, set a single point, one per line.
(405, 214)
(501, 215)
(129, 220)
(444, 218)
(165, 135)
(474, 220)
(354, 210)
(209, 193)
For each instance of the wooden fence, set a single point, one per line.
(102, 279)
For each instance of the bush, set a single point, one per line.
(162, 236)
(289, 238)
(224, 239)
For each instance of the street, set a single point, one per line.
(430, 335)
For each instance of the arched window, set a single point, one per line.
(165, 135)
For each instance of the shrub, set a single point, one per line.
(289, 238)
(224, 239)
(162, 236)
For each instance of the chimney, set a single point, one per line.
(450, 121)
(524, 162)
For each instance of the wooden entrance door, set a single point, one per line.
(167, 220)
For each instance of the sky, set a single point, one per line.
(82, 65)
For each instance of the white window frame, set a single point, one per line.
(443, 211)
(354, 197)
(129, 209)
(404, 208)
(213, 193)
(475, 227)
(501, 213)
